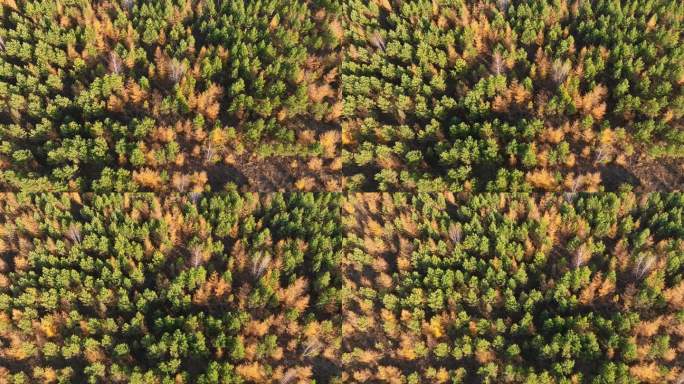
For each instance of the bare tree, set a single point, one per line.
(2, 43)
(180, 182)
(581, 256)
(497, 66)
(260, 262)
(559, 71)
(196, 255)
(601, 155)
(194, 196)
(127, 4)
(74, 233)
(502, 4)
(643, 266)
(455, 232)
(114, 63)
(289, 376)
(569, 196)
(312, 347)
(209, 152)
(176, 70)
(377, 41)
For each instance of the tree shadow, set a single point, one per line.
(614, 175)
(220, 174)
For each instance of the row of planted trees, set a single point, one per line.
(509, 95)
(185, 288)
(319, 288)
(424, 95)
(160, 95)
(503, 288)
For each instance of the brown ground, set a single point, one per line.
(281, 174)
(658, 175)
(644, 174)
(278, 173)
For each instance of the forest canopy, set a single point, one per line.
(501, 95)
(504, 288)
(168, 95)
(320, 288)
(172, 176)
(181, 289)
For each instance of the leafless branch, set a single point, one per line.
(455, 232)
(259, 264)
(180, 182)
(601, 155)
(194, 196)
(196, 255)
(559, 71)
(289, 376)
(497, 66)
(176, 70)
(569, 196)
(209, 152)
(643, 266)
(114, 63)
(377, 41)
(74, 233)
(581, 256)
(312, 348)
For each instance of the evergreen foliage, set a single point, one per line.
(502, 95)
(182, 289)
(503, 288)
(154, 95)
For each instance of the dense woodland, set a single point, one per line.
(181, 289)
(317, 288)
(504, 288)
(171, 175)
(174, 95)
(507, 95)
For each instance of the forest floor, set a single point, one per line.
(644, 173)
(252, 172)
(658, 175)
(271, 174)
(280, 173)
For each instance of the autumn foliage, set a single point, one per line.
(504, 288)
(183, 288)
(500, 95)
(121, 95)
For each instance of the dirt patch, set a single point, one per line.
(219, 175)
(250, 172)
(614, 175)
(664, 174)
(283, 173)
(271, 174)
